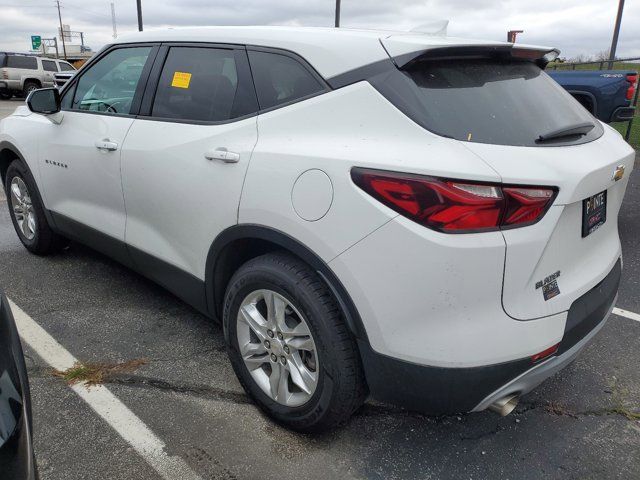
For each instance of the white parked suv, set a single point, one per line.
(21, 74)
(426, 219)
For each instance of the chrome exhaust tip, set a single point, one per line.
(505, 405)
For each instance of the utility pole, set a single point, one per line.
(337, 13)
(139, 3)
(113, 21)
(64, 47)
(616, 31)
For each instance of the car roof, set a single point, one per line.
(331, 51)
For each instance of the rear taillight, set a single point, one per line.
(5, 74)
(454, 206)
(633, 80)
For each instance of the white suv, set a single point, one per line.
(426, 219)
(22, 74)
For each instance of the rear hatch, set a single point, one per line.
(500, 104)
(550, 264)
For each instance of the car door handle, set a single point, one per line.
(223, 155)
(106, 145)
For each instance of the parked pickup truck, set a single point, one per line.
(607, 94)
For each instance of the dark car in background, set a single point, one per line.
(606, 94)
(17, 461)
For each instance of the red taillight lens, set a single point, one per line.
(545, 353)
(455, 206)
(632, 79)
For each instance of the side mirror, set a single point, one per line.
(45, 101)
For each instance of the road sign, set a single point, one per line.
(36, 42)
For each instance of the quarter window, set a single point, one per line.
(203, 84)
(49, 66)
(16, 61)
(281, 79)
(109, 85)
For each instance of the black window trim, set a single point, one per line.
(70, 87)
(146, 106)
(306, 65)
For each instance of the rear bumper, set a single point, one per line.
(623, 114)
(437, 390)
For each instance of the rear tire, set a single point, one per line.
(338, 388)
(29, 87)
(27, 212)
(5, 95)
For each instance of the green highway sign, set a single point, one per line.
(36, 42)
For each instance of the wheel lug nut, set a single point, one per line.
(280, 337)
(286, 350)
(273, 357)
(267, 344)
(270, 333)
(283, 360)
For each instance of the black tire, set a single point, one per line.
(28, 87)
(44, 241)
(341, 388)
(5, 95)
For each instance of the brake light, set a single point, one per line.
(545, 353)
(632, 79)
(5, 74)
(453, 206)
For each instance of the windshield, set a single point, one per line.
(503, 102)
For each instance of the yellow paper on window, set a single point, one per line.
(181, 80)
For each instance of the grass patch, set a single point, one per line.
(634, 138)
(595, 66)
(96, 373)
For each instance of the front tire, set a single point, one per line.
(289, 345)
(27, 212)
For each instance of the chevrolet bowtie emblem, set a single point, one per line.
(618, 173)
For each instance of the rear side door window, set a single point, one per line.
(204, 84)
(281, 79)
(109, 86)
(49, 66)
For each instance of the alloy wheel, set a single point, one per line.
(23, 208)
(277, 348)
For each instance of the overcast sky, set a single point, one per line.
(574, 26)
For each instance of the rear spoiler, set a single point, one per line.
(539, 56)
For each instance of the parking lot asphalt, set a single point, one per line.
(578, 424)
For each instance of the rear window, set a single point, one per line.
(502, 102)
(3, 58)
(16, 61)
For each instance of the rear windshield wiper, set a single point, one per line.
(572, 130)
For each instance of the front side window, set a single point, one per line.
(65, 67)
(17, 61)
(280, 79)
(203, 84)
(109, 85)
(49, 66)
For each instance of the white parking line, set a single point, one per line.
(104, 403)
(626, 314)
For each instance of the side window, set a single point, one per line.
(65, 67)
(16, 61)
(109, 85)
(49, 66)
(281, 79)
(204, 84)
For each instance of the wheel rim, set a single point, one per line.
(23, 208)
(277, 348)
